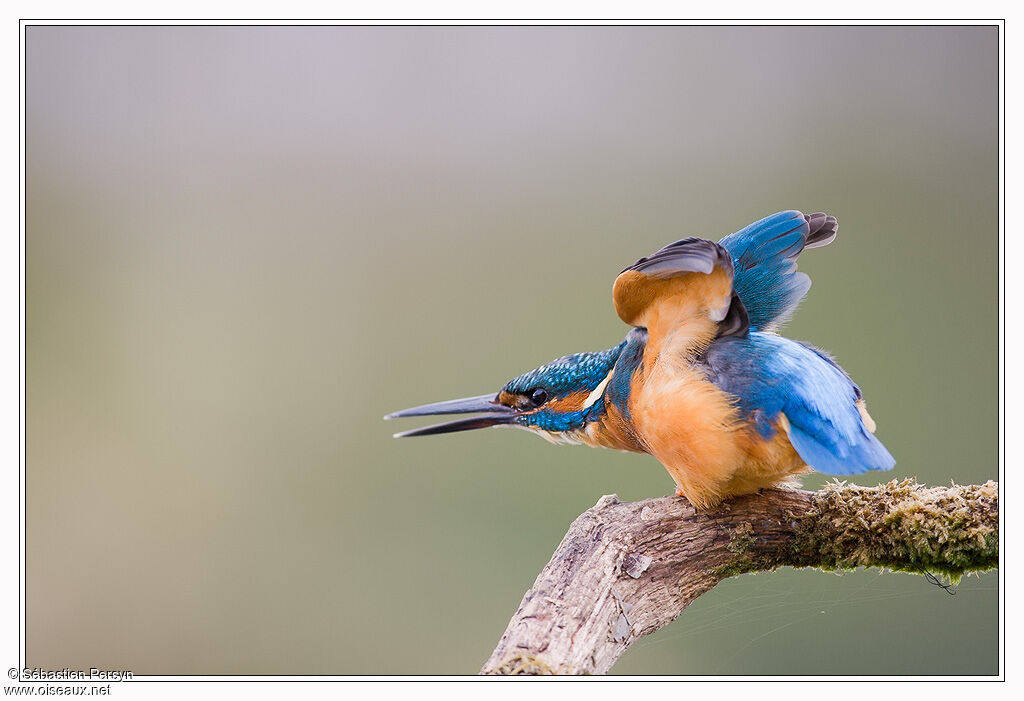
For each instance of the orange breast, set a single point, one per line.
(695, 430)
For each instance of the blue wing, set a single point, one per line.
(764, 259)
(770, 375)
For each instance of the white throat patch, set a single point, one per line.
(598, 391)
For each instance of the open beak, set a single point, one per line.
(489, 413)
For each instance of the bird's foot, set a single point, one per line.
(696, 509)
(702, 508)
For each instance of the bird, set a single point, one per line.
(703, 381)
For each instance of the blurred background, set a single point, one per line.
(245, 245)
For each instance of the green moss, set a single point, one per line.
(901, 526)
(742, 539)
(741, 542)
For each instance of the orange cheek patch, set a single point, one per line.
(515, 401)
(568, 403)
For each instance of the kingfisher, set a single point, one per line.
(703, 382)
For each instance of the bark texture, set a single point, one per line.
(624, 570)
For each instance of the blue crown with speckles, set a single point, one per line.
(570, 373)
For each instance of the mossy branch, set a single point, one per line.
(624, 570)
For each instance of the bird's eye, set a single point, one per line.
(539, 396)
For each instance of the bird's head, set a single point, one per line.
(554, 399)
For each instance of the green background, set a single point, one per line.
(246, 245)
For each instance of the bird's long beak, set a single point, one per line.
(490, 413)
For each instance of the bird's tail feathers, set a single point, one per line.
(863, 454)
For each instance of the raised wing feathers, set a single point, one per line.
(685, 287)
(764, 254)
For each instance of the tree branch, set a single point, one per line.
(624, 570)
